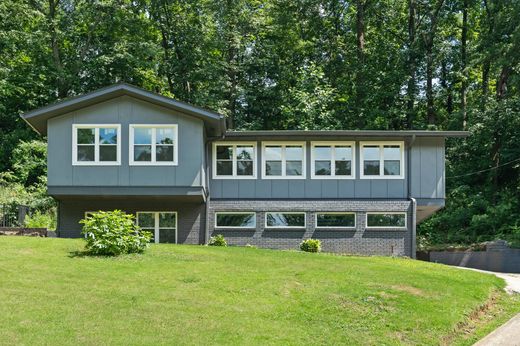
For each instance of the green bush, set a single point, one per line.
(40, 220)
(310, 245)
(113, 233)
(217, 240)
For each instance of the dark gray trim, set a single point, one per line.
(344, 133)
(37, 119)
(126, 191)
(433, 202)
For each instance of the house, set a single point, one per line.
(186, 178)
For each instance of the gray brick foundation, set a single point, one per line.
(387, 242)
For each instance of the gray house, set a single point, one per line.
(186, 178)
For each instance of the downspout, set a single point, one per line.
(413, 200)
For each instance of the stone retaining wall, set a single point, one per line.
(33, 232)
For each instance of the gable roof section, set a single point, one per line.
(37, 119)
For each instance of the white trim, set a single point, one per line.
(233, 160)
(286, 212)
(387, 212)
(284, 162)
(381, 145)
(334, 213)
(235, 213)
(153, 144)
(156, 223)
(96, 145)
(333, 175)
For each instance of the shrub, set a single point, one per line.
(40, 220)
(113, 233)
(217, 240)
(311, 245)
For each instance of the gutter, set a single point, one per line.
(410, 198)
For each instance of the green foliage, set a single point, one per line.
(311, 245)
(113, 233)
(41, 220)
(217, 240)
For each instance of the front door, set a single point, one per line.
(162, 225)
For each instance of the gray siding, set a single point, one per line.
(125, 110)
(427, 171)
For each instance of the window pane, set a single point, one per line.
(236, 220)
(392, 152)
(142, 153)
(343, 168)
(167, 235)
(108, 153)
(293, 168)
(285, 220)
(392, 167)
(335, 220)
(273, 168)
(145, 220)
(293, 153)
(86, 153)
(370, 153)
(142, 135)
(371, 167)
(164, 135)
(244, 167)
(343, 153)
(86, 136)
(322, 153)
(107, 136)
(224, 168)
(244, 153)
(167, 220)
(322, 168)
(273, 153)
(224, 152)
(386, 220)
(164, 153)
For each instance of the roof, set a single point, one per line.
(346, 133)
(37, 119)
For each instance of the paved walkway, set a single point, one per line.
(512, 280)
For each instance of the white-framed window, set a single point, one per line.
(162, 225)
(284, 219)
(234, 160)
(283, 160)
(386, 220)
(335, 220)
(333, 160)
(96, 144)
(153, 144)
(382, 160)
(235, 219)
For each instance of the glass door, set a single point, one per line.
(162, 225)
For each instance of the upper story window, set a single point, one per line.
(234, 160)
(332, 160)
(283, 160)
(153, 145)
(384, 160)
(96, 144)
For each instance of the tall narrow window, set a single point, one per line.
(234, 160)
(96, 144)
(332, 160)
(285, 161)
(382, 160)
(162, 225)
(153, 145)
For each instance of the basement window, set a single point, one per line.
(386, 220)
(235, 220)
(285, 220)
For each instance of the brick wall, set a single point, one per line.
(386, 242)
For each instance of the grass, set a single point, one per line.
(209, 295)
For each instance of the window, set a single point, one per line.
(335, 220)
(386, 220)
(234, 160)
(235, 220)
(332, 161)
(153, 145)
(162, 225)
(285, 220)
(283, 160)
(96, 144)
(382, 160)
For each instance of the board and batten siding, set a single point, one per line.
(126, 110)
(428, 168)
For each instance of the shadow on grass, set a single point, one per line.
(84, 253)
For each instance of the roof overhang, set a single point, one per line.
(345, 133)
(37, 119)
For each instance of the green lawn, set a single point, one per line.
(204, 295)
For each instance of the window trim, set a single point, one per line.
(96, 161)
(286, 227)
(335, 213)
(234, 212)
(153, 162)
(333, 144)
(381, 145)
(234, 160)
(284, 162)
(387, 227)
(156, 223)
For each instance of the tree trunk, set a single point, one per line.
(445, 85)
(502, 82)
(463, 59)
(429, 83)
(360, 81)
(411, 64)
(56, 56)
